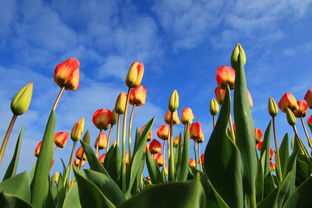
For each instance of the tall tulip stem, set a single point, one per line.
(306, 132)
(130, 132)
(170, 153)
(70, 164)
(195, 154)
(198, 156)
(97, 145)
(108, 138)
(118, 129)
(57, 100)
(213, 121)
(278, 160)
(164, 153)
(7, 136)
(301, 146)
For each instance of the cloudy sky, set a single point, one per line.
(180, 42)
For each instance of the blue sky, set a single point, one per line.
(180, 42)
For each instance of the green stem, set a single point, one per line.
(130, 132)
(70, 165)
(195, 153)
(213, 121)
(232, 129)
(108, 138)
(306, 132)
(164, 153)
(198, 156)
(118, 129)
(57, 100)
(7, 136)
(171, 153)
(278, 160)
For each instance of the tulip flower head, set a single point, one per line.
(308, 98)
(80, 154)
(201, 159)
(187, 116)
(258, 135)
(21, 100)
(56, 176)
(272, 166)
(259, 145)
(196, 133)
(176, 141)
(225, 76)
(192, 163)
(77, 162)
(66, 74)
(175, 118)
(135, 74)
(37, 150)
(309, 121)
(101, 141)
(138, 96)
(291, 119)
(288, 101)
(214, 107)
(77, 130)
(273, 109)
(160, 159)
(238, 50)
(150, 134)
(60, 139)
(271, 153)
(155, 147)
(120, 103)
(302, 110)
(173, 104)
(102, 118)
(102, 158)
(220, 94)
(163, 132)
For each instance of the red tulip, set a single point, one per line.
(196, 133)
(138, 96)
(308, 98)
(155, 147)
(66, 74)
(37, 150)
(258, 135)
(272, 165)
(101, 118)
(201, 159)
(192, 163)
(150, 134)
(288, 101)
(225, 75)
(102, 158)
(220, 94)
(163, 132)
(101, 141)
(271, 153)
(60, 139)
(309, 121)
(259, 145)
(302, 110)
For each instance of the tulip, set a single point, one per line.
(220, 94)
(79, 163)
(272, 166)
(66, 74)
(201, 159)
(138, 96)
(214, 107)
(309, 122)
(155, 147)
(175, 118)
(288, 101)
(102, 158)
(120, 103)
(80, 154)
(176, 141)
(238, 50)
(196, 132)
(258, 135)
(160, 159)
(308, 98)
(273, 109)
(60, 139)
(101, 141)
(192, 163)
(150, 134)
(77, 130)
(271, 153)
(291, 119)
(56, 176)
(163, 132)
(101, 118)
(225, 76)
(250, 99)
(187, 116)
(135, 74)
(173, 104)
(21, 100)
(37, 150)
(302, 110)
(259, 145)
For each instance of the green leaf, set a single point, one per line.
(265, 151)
(153, 169)
(183, 167)
(222, 161)
(90, 195)
(40, 182)
(17, 185)
(12, 201)
(112, 163)
(72, 197)
(178, 153)
(11, 170)
(108, 187)
(245, 134)
(284, 154)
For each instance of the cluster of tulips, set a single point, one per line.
(237, 169)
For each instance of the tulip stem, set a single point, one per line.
(301, 146)
(130, 132)
(171, 154)
(123, 165)
(232, 129)
(118, 129)
(108, 138)
(7, 136)
(195, 154)
(97, 145)
(58, 98)
(306, 132)
(164, 153)
(198, 156)
(278, 160)
(213, 121)
(70, 163)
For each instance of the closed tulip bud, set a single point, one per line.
(56, 176)
(291, 119)
(135, 74)
(102, 118)
(273, 109)
(37, 150)
(163, 132)
(259, 145)
(175, 118)
(309, 121)
(80, 154)
(60, 139)
(308, 98)
(155, 147)
(114, 118)
(196, 132)
(173, 104)
(192, 163)
(201, 159)
(102, 158)
(77, 162)
(160, 159)
(150, 134)
(238, 50)
(225, 76)
(302, 110)
(21, 100)
(272, 166)
(258, 135)
(138, 96)
(250, 99)
(288, 101)
(214, 107)
(220, 94)
(66, 74)
(86, 137)
(176, 141)
(101, 141)
(77, 130)
(187, 116)
(120, 103)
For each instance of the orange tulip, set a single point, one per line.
(175, 118)
(288, 101)
(101, 118)
(60, 139)
(192, 163)
(302, 110)
(135, 74)
(138, 96)
(101, 141)
(155, 147)
(160, 159)
(176, 141)
(80, 154)
(308, 98)
(225, 75)
(220, 94)
(187, 116)
(163, 132)
(258, 135)
(150, 134)
(272, 166)
(77, 162)
(102, 158)
(196, 133)
(37, 150)
(66, 74)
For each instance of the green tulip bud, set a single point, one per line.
(214, 107)
(86, 137)
(174, 101)
(21, 100)
(290, 117)
(114, 119)
(273, 109)
(238, 50)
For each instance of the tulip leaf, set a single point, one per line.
(284, 154)
(265, 150)
(112, 163)
(221, 158)
(43, 165)
(12, 201)
(108, 187)
(183, 166)
(153, 169)
(178, 153)
(137, 185)
(245, 134)
(72, 197)
(11, 170)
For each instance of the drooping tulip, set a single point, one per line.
(138, 96)
(37, 150)
(120, 103)
(150, 134)
(22, 99)
(288, 101)
(225, 76)
(302, 110)
(187, 116)
(60, 139)
(163, 132)
(258, 135)
(66, 74)
(308, 98)
(196, 132)
(155, 147)
(175, 118)
(77, 130)
(102, 118)
(173, 104)
(101, 141)
(135, 74)
(220, 94)
(192, 163)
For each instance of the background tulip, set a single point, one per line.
(60, 139)
(173, 104)
(102, 118)
(272, 107)
(195, 131)
(102, 158)
(308, 98)
(138, 96)
(120, 103)
(192, 163)
(302, 109)
(37, 150)
(66, 74)
(220, 94)
(225, 76)
(238, 50)
(214, 107)
(101, 141)
(163, 132)
(155, 146)
(258, 135)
